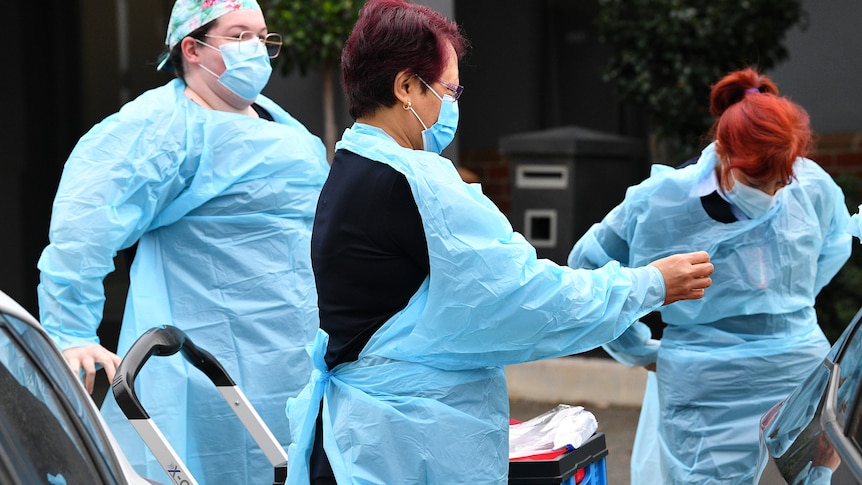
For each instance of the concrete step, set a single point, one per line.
(577, 380)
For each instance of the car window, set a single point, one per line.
(44, 427)
(850, 363)
(795, 427)
(841, 344)
(802, 449)
(848, 409)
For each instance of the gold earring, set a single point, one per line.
(407, 106)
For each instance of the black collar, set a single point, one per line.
(717, 208)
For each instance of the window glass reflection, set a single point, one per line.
(33, 414)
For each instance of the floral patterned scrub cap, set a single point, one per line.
(188, 15)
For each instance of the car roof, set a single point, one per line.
(11, 307)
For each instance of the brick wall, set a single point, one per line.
(840, 154)
(493, 172)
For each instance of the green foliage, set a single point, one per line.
(314, 31)
(667, 53)
(841, 298)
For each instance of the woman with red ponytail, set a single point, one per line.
(773, 224)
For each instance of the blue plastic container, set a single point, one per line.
(596, 474)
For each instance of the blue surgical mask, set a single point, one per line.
(440, 134)
(247, 67)
(752, 202)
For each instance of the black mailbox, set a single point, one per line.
(565, 179)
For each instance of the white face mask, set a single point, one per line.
(752, 202)
(247, 67)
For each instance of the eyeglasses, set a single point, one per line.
(272, 41)
(456, 89)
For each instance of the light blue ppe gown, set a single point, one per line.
(854, 227)
(725, 359)
(426, 401)
(221, 206)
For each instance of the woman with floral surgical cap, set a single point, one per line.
(217, 185)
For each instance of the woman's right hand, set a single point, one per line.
(86, 357)
(686, 275)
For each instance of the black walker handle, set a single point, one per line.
(168, 340)
(160, 341)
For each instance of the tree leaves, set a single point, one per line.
(666, 54)
(314, 31)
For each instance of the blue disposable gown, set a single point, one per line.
(426, 401)
(854, 227)
(725, 359)
(221, 206)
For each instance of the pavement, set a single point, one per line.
(606, 388)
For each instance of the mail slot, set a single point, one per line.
(542, 176)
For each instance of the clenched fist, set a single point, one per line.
(685, 275)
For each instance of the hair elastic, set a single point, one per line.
(752, 90)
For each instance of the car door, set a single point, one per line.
(50, 430)
(813, 437)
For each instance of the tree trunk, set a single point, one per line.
(328, 111)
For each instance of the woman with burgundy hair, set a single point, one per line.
(424, 290)
(773, 224)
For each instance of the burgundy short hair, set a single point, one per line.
(391, 36)
(756, 129)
